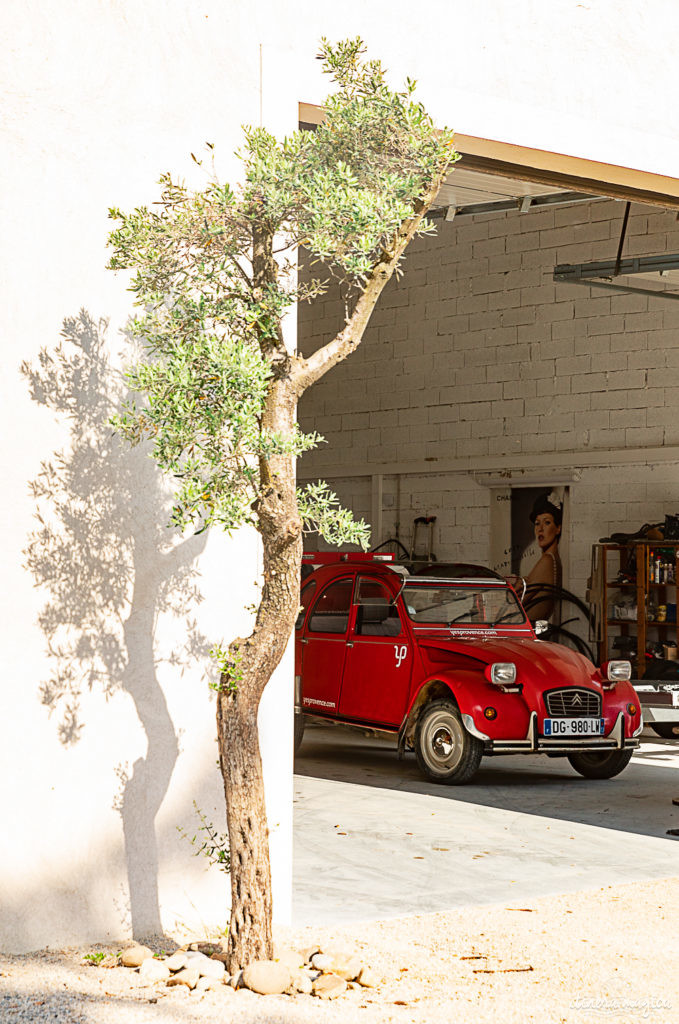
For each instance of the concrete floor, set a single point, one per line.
(375, 839)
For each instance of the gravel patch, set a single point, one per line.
(610, 953)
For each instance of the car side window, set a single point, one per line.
(305, 601)
(330, 614)
(377, 616)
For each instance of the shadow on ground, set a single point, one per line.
(638, 800)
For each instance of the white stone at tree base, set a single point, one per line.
(266, 977)
(176, 961)
(291, 959)
(301, 982)
(329, 986)
(344, 965)
(187, 976)
(327, 977)
(134, 956)
(213, 969)
(152, 970)
(205, 983)
(205, 966)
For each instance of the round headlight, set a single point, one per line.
(618, 670)
(502, 672)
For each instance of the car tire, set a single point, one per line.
(300, 722)
(604, 764)
(445, 751)
(668, 730)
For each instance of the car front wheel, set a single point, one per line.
(600, 764)
(445, 751)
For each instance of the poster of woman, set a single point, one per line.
(537, 524)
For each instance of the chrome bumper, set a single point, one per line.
(535, 744)
(659, 701)
(653, 714)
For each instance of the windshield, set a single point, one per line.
(479, 605)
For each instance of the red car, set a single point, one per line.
(453, 667)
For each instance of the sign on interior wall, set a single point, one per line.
(529, 539)
(538, 523)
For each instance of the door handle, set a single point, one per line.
(349, 643)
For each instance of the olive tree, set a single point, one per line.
(214, 272)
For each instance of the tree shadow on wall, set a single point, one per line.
(110, 567)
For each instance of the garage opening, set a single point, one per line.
(487, 379)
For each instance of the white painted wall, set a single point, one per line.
(97, 99)
(586, 79)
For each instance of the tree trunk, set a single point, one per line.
(250, 936)
(255, 658)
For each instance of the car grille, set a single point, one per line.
(572, 703)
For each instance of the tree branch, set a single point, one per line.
(307, 371)
(241, 271)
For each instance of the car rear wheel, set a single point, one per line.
(445, 751)
(299, 729)
(600, 764)
(668, 730)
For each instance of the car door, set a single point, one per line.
(306, 597)
(324, 646)
(379, 660)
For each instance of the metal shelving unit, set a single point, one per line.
(640, 557)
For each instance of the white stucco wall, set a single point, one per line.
(588, 79)
(97, 101)
(97, 98)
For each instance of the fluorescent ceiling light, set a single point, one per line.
(646, 275)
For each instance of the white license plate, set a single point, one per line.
(573, 726)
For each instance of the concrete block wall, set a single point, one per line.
(475, 357)
(353, 493)
(617, 499)
(459, 504)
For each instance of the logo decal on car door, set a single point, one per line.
(400, 653)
